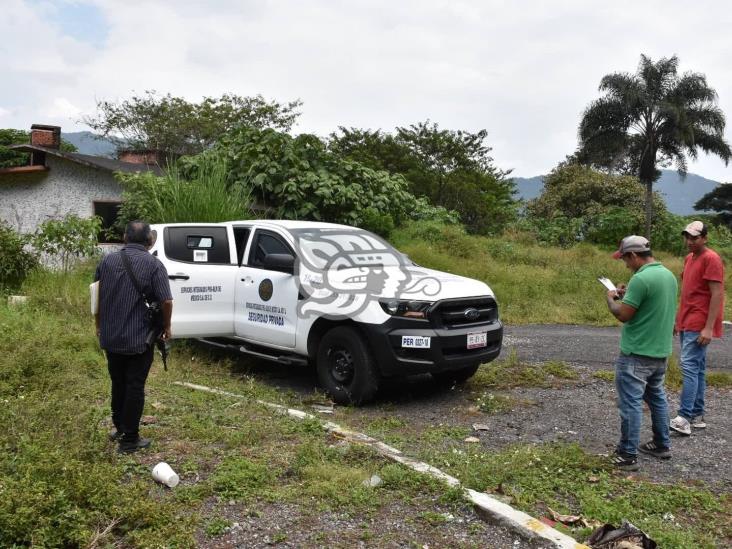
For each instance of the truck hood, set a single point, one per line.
(400, 282)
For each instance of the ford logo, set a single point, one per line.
(472, 313)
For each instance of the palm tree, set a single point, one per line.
(650, 117)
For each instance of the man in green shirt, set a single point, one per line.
(647, 309)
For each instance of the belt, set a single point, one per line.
(644, 357)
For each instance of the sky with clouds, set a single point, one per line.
(523, 70)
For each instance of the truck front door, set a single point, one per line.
(202, 268)
(266, 299)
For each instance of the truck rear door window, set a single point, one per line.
(197, 245)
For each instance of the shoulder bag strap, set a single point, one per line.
(135, 282)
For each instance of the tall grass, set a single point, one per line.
(533, 283)
(187, 193)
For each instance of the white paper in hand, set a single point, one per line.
(607, 283)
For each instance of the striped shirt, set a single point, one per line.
(122, 310)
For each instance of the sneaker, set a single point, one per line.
(126, 447)
(115, 435)
(653, 449)
(698, 423)
(625, 462)
(681, 425)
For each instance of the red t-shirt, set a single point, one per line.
(695, 294)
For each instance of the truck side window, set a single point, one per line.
(267, 243)
(241, 237)
(197, 244)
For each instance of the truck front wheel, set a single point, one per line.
(346, 369)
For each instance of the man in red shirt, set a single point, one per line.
(698, 320)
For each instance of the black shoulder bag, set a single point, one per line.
(154, 313)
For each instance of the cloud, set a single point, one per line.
(522, 70)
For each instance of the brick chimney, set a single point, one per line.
(149, 157)
(46, 136)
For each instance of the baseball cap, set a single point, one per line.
(695, 228)
(632, 243)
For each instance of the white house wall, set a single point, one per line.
(29, 199)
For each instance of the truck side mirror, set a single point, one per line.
(284, 263)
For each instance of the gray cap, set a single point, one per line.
(695, 228)
(632, 243)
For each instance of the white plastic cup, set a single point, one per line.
(164, 474)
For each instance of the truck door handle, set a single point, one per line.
(247, 279)
(178, 277)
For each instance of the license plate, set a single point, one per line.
(415, 342)
(477, 340)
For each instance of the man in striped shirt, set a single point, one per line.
(122, 328)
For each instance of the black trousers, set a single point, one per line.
(128, 374)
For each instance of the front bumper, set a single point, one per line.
(448, 346)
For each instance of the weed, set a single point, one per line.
(490, 403)
(511, 372)
(606, 375)
(559, 369)
(241, 479)
(719, 379)
(216, 527)
(433, 519)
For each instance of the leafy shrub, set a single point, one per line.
(68, 239)
(193, 190)
(16, 261)
(298, 178)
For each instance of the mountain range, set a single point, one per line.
(680, 194)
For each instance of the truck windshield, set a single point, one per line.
(346, 247)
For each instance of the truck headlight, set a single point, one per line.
(405, 308)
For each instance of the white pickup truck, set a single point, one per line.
(333, 295)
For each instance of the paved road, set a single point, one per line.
(590, 345)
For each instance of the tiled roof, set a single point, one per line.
(99, 162)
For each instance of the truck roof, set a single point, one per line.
(287, 224)
(292, 224)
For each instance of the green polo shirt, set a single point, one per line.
(652, 292)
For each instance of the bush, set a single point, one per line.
(68, 239)
(16, 261)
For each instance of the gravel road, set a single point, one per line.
(581, 410)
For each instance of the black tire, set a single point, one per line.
(460, 375)
(346, 369)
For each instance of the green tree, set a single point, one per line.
(452, 169)
(652, 117)
(175, 125)
(10, 158)
(299, 178)
(591, 205)
(719, 200)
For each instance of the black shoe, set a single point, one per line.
(652, 449)
(115, 435)
(625, 462)
(126, 447)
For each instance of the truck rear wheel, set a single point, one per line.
(346, 369)
(460, 375)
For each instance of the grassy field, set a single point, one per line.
(62, 484)
(533, 284)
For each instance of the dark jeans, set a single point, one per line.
(128, 374)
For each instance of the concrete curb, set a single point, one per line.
(488, 507)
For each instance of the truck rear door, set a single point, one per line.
(202, 268)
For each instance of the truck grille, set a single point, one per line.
(463, 313)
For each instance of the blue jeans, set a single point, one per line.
(693, 367)
(640, 379)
